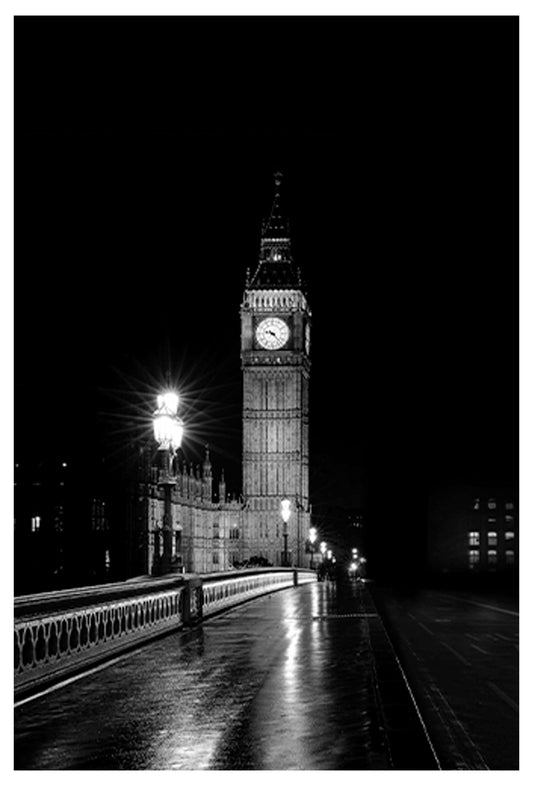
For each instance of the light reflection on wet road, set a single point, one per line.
(273, 684)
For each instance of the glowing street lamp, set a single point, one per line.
(312, 538)
(168, 432)
(285, 515)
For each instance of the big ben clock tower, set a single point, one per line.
(275, 346)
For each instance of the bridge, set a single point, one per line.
(260, 669)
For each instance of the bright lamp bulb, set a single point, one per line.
(168, 427)
(163, 428)
(285, 510)
(177, 433)
(168, 401)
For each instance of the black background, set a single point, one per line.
(144, 155)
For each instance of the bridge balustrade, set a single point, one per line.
(59, 633)
(219, 594)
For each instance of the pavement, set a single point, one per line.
(301, 679)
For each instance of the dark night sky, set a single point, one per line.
(144, 153)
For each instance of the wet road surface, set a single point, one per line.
(301, 679)
(460, 652)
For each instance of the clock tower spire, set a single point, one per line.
(275, 268)
(275, 346)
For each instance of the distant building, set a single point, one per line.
(62, 535)
(473, 529)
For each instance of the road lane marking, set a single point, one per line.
(471, 636)
(459, 738)
(507, 699)
(426, 629)
(452, 725)
(504, 638)
(457, 654)
(485, 605)
(475, 647)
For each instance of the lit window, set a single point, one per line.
(509, 536)
(107, 559)
(509, 557)
(492, 504)
(473, 538)
(492, 539)
(35, 523)
(491, 520)
(476, 503)
(509, 520)
(473, 558)
(492, 557)
(509, 506)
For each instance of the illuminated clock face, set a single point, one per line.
(272, 333)
(308, 338)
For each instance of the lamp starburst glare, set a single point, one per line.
(168, 427)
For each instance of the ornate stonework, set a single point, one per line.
(209, 535)
(275, 400)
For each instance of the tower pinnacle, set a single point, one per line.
(275, 270)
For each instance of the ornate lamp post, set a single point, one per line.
(285, 515)
(312, 538)
(168, 431)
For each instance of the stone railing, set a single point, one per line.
(59, 633)
(220, 591)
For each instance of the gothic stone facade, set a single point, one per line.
(275, 361)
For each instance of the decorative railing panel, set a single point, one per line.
(59, 643)
(57, 634)
(223, 593)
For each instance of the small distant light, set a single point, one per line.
(64, 464)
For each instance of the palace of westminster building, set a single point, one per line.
(210, 535)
